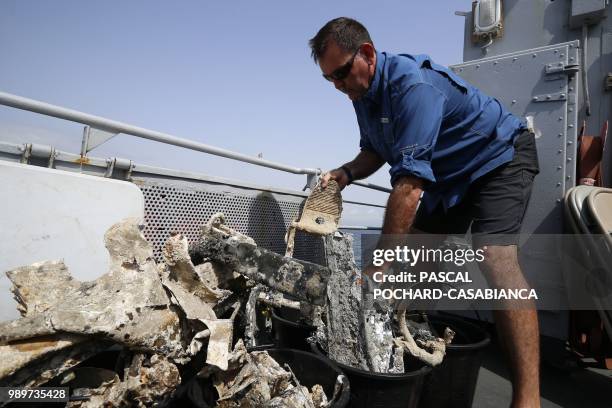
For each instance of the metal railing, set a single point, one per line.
(113, 126)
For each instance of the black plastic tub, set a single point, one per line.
(372, 390)
(311, 369)
(288, 331)
(452, 383)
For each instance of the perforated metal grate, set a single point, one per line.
(185, 206)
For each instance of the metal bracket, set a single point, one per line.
(110, 166)
(312, 180)
(608, 85)
(561, 68)
(52, 157)
(93, 138)
(27, 152)
(551, 97)
(113, 163)
(43, 152)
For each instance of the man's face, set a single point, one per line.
(357, 81)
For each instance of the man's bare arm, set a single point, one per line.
(362, 166)
(402, 205)
(399, 216)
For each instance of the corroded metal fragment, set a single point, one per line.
(33, 362)
(303, 280)
(147, 381)
(256, 380)
(196, 300)
(354, 335)
(320, 214)
(128, 305)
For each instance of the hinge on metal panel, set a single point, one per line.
(561, 68)
(551, 97)
(608, 85)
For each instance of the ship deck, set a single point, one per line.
(568, 387)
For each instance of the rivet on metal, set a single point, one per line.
(548, 97)
(558, 200)
(571, 58)
(560, 134)
(570, 126)
(535, 98)
(559, 151)
(513, 101)
(570, 143)
(514, 59)
(571, 109)
(568, 177)
(534, 55)
(561, 55)
(495, 62)
(569, 159)
(559, 167)
(560, 117)
(571, 88)
(562, 95)
(555, 51)
(558, 184)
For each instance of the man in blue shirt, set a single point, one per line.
(471, 160)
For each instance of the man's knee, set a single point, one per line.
(500, 264)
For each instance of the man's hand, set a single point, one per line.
(362, 166)
(337, 174)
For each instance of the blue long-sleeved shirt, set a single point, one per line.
(427, 122)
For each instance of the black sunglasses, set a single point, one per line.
(342, 72)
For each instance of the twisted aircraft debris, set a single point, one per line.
(172, 326)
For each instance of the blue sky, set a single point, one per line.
(233, 74)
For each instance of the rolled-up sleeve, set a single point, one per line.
(364, 144)
(419, 112)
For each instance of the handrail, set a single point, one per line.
(113, 126)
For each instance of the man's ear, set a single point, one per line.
(369, 53)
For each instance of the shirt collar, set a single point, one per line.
(373, 93)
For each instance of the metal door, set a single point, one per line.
(541, 84)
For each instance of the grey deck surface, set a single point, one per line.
(579, 387)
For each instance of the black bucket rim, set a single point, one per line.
(424, 370)
(292, 324)
(346, 384)
(306, 353)
(470, 346)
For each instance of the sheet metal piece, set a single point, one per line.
(303, 280)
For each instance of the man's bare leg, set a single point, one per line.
(517, 327)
